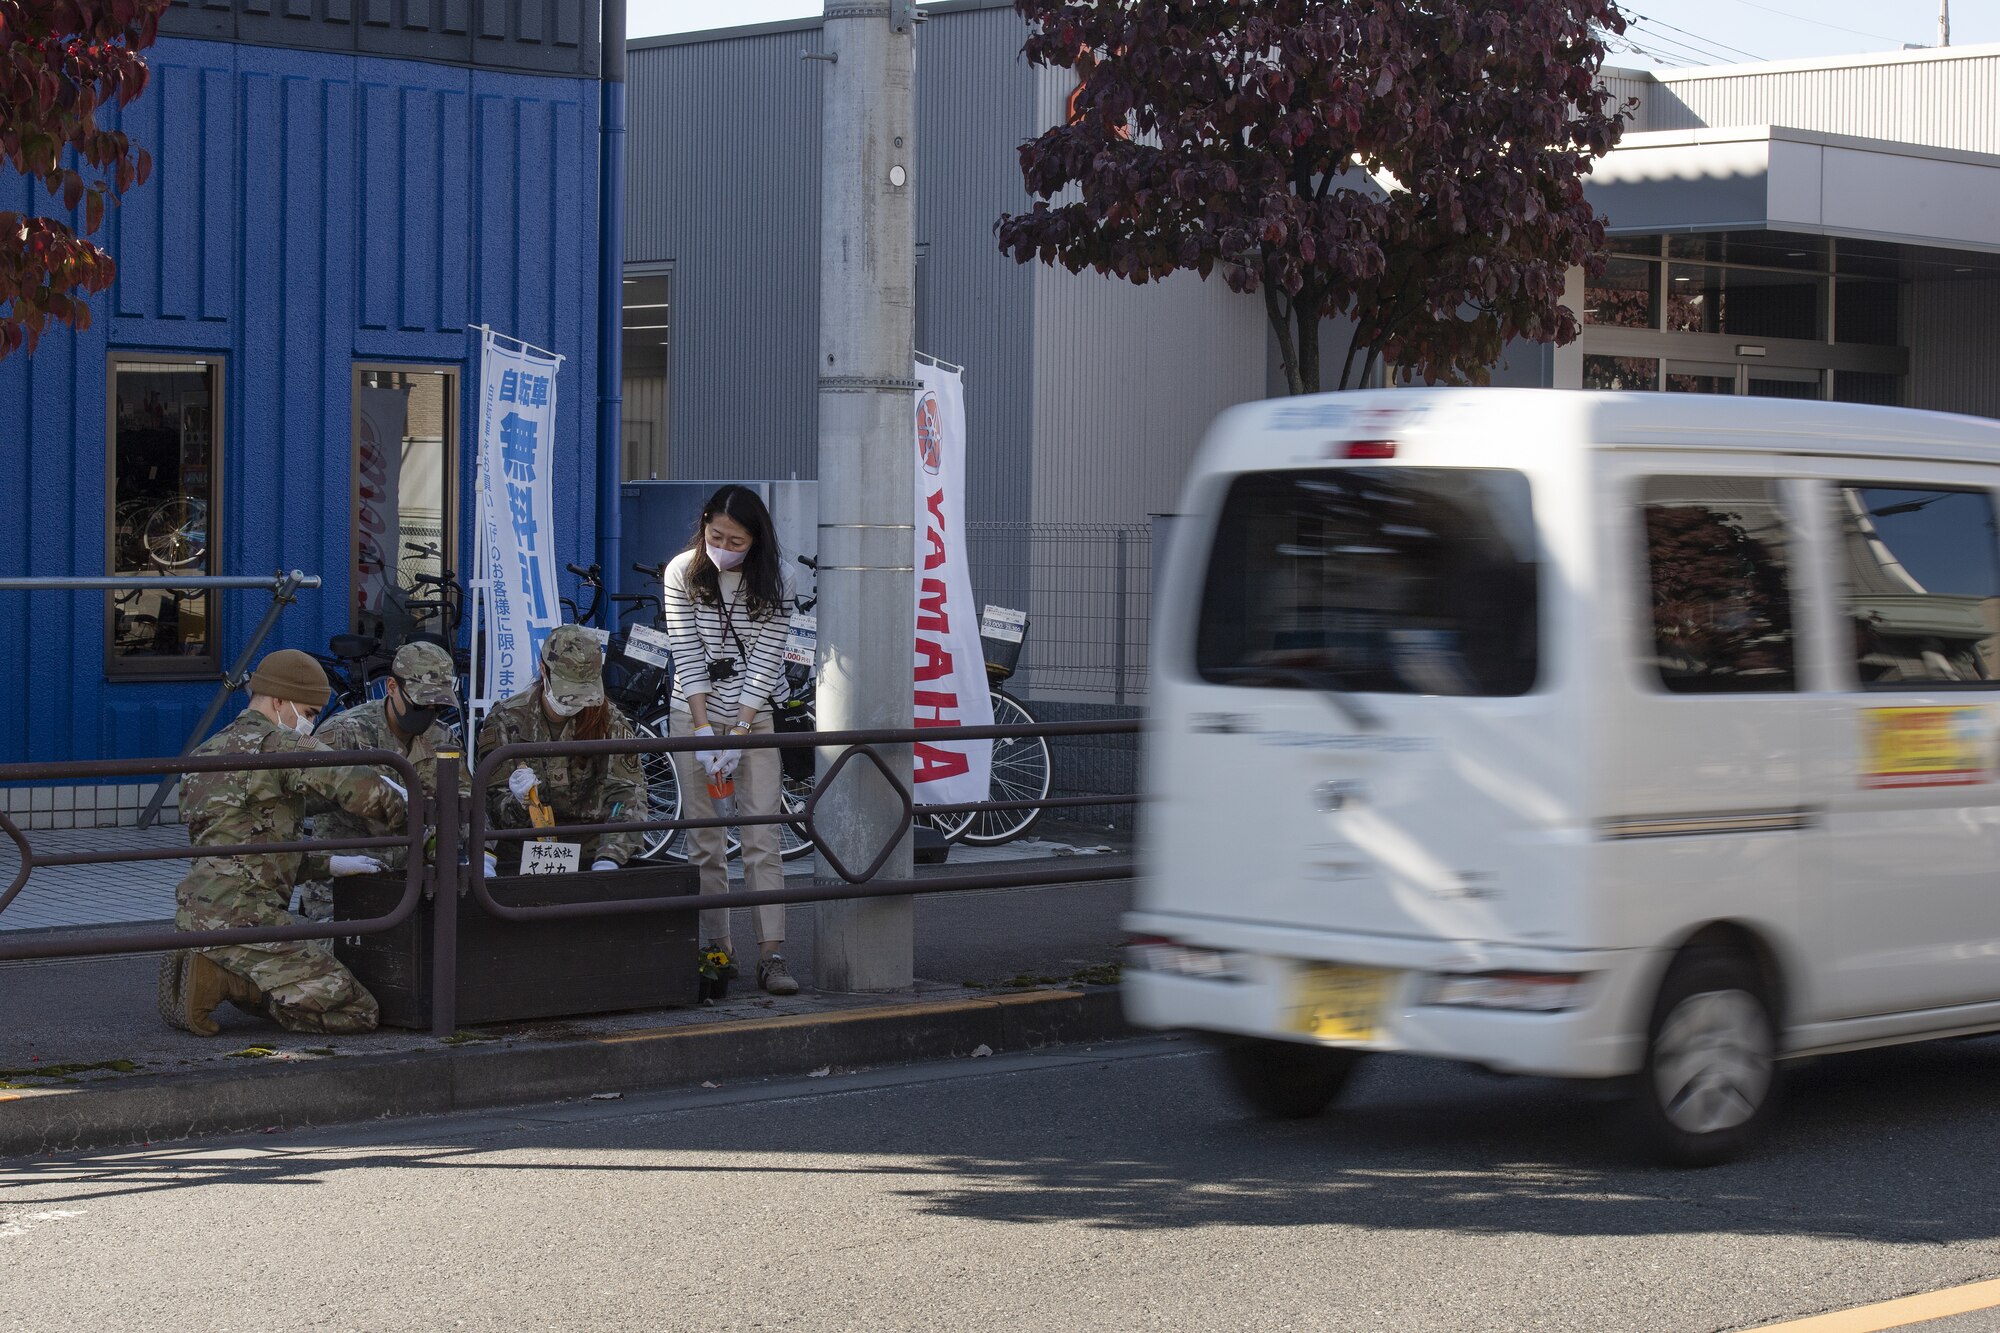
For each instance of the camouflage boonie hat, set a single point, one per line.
(428, 677)
(575, 667)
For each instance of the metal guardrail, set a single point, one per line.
(89, 943)
(443, 816)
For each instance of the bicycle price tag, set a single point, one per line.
(601, 636)
(648, 647)
(802, 640)
(551, 858)
(997, 622)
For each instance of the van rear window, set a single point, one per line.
(1392, 580)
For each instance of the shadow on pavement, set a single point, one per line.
(1893, 1146)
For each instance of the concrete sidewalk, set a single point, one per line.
(85, 1060)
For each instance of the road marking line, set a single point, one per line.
(1902, 1313)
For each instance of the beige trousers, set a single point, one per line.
(757, 780)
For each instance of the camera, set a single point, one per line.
(722, 668)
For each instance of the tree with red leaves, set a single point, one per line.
(1414, 165)
(62, 62)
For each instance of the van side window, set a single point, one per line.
(1717, 560)
(1921, 579)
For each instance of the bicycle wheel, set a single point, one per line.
(1021, 772)
(176, 533)
(663, 800)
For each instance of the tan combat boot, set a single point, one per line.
(207, 985)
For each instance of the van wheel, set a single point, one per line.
(1288, 1080)
(1710, 1077)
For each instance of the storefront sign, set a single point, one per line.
(1925, 747)
(517, 560)
(950, 665)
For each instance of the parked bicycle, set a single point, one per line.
(430, 608)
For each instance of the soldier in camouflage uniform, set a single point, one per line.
(299, 983)
(422, 680)
(567, 703)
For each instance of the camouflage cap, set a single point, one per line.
(574, 667)
(427, 674)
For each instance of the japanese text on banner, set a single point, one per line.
(517, 411)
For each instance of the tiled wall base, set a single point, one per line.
(105, 806)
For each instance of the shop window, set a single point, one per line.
(648, 349)
(404, 501)
(1922, 577)
(1624, 295)
(1720, 595)
(1621, 372)
(1753, 303)
(165, 429)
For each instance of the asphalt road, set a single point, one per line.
(1111, 1188)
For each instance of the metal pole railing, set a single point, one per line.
(284, 591)
(447, 882)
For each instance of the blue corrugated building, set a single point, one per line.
(282, 375)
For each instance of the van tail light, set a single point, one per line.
(1371, 449)
(1536, 992)
(1157, 953)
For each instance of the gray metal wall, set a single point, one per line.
(1940, 98)
(1954, 341)
(723, 159)
(722, 171)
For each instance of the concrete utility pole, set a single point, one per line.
(1944, 22)
(867, 466)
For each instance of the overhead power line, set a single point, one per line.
(1786, 13)
(1650, 21)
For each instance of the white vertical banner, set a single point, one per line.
(382, 417)
(951, 686)
(520, 602)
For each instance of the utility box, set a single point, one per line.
(514, 971)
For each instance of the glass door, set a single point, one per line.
(405, 500)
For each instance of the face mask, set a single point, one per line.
(726, 559)
(302, 722)
(412, 720)
(557, 706)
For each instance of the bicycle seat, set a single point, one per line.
(352, 647)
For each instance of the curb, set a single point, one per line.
(156, 1108)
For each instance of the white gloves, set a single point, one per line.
(521, 781)
(344, 866)
(726, 762)
(709, 759)
(601, 864)
(492, 864)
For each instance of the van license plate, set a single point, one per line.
(1338, 1003)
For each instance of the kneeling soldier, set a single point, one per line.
(299, 983)
(422, 682)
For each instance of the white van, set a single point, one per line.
(1591, 735)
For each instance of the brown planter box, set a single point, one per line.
(512, 971)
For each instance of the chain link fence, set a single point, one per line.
(1087, 589)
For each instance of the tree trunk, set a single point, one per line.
(1281, 325)
(1307, 313)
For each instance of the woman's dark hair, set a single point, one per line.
(763, 580)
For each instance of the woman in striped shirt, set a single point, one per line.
(727, 605)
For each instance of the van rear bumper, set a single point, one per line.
(1601, 1036)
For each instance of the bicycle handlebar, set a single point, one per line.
(592, 575)
(658, 571)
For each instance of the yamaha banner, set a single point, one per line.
(517, 561)
(950, 664)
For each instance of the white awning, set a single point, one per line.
(1772, 178)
